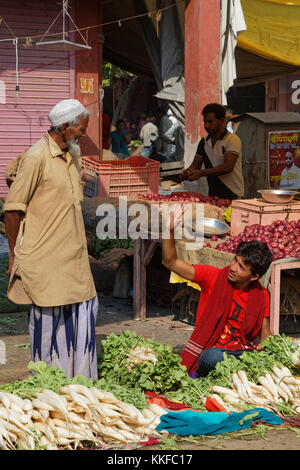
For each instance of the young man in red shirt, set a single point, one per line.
(233, 309)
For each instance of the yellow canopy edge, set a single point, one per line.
(273, 29)
(176, 279)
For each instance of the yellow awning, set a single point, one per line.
(176, 279)
(273, 29)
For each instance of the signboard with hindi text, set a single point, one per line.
(284, 160)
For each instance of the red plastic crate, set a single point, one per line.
(112, 178)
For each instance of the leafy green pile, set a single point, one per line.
(101, 246)
(165, 374)
(52, 378)
(277, 350)
(282, 348)
(134, 396)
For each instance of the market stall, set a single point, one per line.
(273, 218)
(255, 219)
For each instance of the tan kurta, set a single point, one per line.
(51, 265)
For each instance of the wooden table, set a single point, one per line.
(143, 251)
(274, 289)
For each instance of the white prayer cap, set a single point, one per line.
(65, 111)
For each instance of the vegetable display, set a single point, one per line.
(52, 378)
(282, 238)
(277, 391)
(186, 196)
(48, 411)
(277, 351)
(74, 416)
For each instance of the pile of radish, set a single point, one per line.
(139, 355)
(74, 416)
(276, 387)
(282, 238)
(186, 196)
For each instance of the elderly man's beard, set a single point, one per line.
(74, 148)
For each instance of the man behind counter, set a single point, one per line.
(221, 153)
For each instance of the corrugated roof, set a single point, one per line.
(272, 117)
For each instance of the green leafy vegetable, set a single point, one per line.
(134, 396)
(100, 246)
(165, 374)
(50, 377)
(282, 347)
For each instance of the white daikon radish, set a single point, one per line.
(103, 396)
(261, 390)
(45, 430)
(156, 409)
(239, 386)
(42, 405)
(283, 390)
(269, 386)
(55, 400)
(27, 405)
(219, 389)
(83, 390)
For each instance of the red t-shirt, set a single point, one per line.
(206, 277)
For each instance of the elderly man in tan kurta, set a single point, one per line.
(49, 266)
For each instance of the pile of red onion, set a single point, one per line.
(187, 196)
(282, 238)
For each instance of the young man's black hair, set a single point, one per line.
(257, 255)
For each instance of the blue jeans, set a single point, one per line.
(210, 357)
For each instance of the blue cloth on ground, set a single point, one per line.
(189, 422)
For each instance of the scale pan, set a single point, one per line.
(62, 45)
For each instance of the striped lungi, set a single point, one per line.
(65, 337)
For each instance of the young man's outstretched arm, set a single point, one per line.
(171, 261)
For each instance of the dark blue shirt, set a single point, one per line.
(118, 142)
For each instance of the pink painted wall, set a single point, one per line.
(45, 77)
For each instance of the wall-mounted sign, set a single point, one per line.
(284, 160)
(86, 85)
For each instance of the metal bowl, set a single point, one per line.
(211, 227)
(277, 196)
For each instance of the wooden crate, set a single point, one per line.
(171, 170)
(255, 211)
